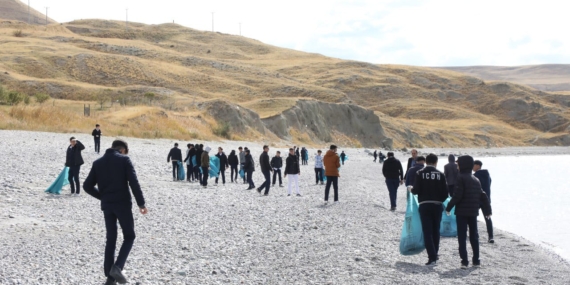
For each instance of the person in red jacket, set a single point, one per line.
(331, 162)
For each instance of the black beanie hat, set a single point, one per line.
(465, 163)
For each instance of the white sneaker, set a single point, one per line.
(326, 202)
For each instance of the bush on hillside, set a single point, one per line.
(42, 97)
(26, 99)
(222, 130)
(18, 33)
(3, 95)
(15, 98)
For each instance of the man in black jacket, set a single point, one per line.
(411, 161)
(266, 169)
(97, 137)
(74, 160)
(198, 166)
(431, 188)
(411, 173)
(485, 180)
(394, 174)
(249, 168)
(277, 164)
(223, 165)
(375, 155)
(175, 155)
(292, 169)
(190, 152)
(450, 170)
(113, 174)
(467, 199)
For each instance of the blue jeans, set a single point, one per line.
(430, 214)
(462, 223)
(393, 185)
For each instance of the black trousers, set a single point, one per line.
(430, 214)
(334, 181)
(267, 183)
(223, 174)
(175, 170)
(125, 217)
(197, 175)
(462, 223)
(73, 177)
(275, 174)
(319, 175)
(97, 144)
(249, 175)
(205, 172)
(234, 169)
(450, 189)
(489, 224)
(189, 172)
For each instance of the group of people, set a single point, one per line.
(378, 155)
(463, 180)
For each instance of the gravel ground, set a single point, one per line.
(227, 235)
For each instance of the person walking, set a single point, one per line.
(198, 165)
(331, 161)
(266, 170)
(297, 152)
(411, 174)
(381, 157)
(223, 165)
(467, 199)
(249, 168)
(205, 164)
(485, 180)
(190, 152)
(175, 155)
(304, 155)
(113, 174)
(375, 155)
(431, 187)
(342, 157)
(394, 175)
(233, 162)
(293, 170)
(277, 164)
(411, 160)
(74, 160)
(242, 163)
(451, 171)
(97, 137)
(319, 168)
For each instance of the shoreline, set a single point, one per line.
(190, 232)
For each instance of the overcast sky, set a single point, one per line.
(413, 32)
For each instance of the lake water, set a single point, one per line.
(531, 197)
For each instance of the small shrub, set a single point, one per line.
(42, 98)
(26, 99)
(14, 98)
(222, 130)
(18, 33)
(3, 95)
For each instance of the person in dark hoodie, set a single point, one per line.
(342, 157)
(451, 173)
(277, 164)
(485, 180)
(198, 166)
(394, 174)
(266, 170)
(467, 199)
(175, 155)
(114, 174)
(292, 169)
(97, 137)
(223, 165)
(190, 152)
(205, 163)
(233, 162)
(74, 160)
(249, 168)
(411, 173)
(375, 155)
(430, 186)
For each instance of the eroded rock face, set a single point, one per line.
(237, 117)
(320, 119)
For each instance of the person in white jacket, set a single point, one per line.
(319, 168)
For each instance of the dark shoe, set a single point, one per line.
(464, 264)
(288, 195)
(298, 195)
(280, 185)
(258, 190)
(110, 281)
(491, 240)
(117, 275)
(431, 262)
(477, 264)
(393, 209)
(264, 194)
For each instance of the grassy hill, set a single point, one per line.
(17, 10)
(190, 71)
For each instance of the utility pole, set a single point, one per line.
(212, 22)
(46, 15)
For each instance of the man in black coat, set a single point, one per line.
(74, 160)
(223, 165)
(266, 170)
(191, 151)
(113, 174)
(375, 155)
(277, 164)
(394, 174)
(249, 168)
(430, 186)
(411, 161)
(97, 137)
(485, 180)
(467, 199)
(198, 166)
(175, 155)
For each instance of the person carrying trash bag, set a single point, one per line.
(60, 182)
(412, 238)
(448, 227)
(431, 187)
(181, 171)
(467, 198)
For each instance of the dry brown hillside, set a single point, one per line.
(266, 92)
(17, 10)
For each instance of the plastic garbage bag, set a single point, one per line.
(448, 227)
(60, 181)
(242, 173)
(181, 172)
(214, 170)
(323, 174)
(412, 240)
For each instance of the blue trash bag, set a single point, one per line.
(412, 240)
(60, 181)
(306, 156)
(214, 170)
(323, 174)
(242, 173)
(448, 227)
(181, 172)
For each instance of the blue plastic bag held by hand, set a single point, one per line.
(181, 171)
(214, 170)
(60, 181)
(323, 174)
(412, 240)
(242, 173)
(448, 227)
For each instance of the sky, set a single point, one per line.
(411, 32)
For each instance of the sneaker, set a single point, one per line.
(326, 203)
(174, 179)
(281, 185)
(117, 275)
(477, 264)
(464, 264)
(204, 187)
(393, 209)
(322, 183)
(110, 281)
(265, 194)
(336, 202)
(298, 195)
(288, 195)
(259, 191)
(431, 262)
(491, 240)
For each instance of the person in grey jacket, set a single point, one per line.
(451, 171)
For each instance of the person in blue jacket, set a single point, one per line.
(485, 179)
(114, 174)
